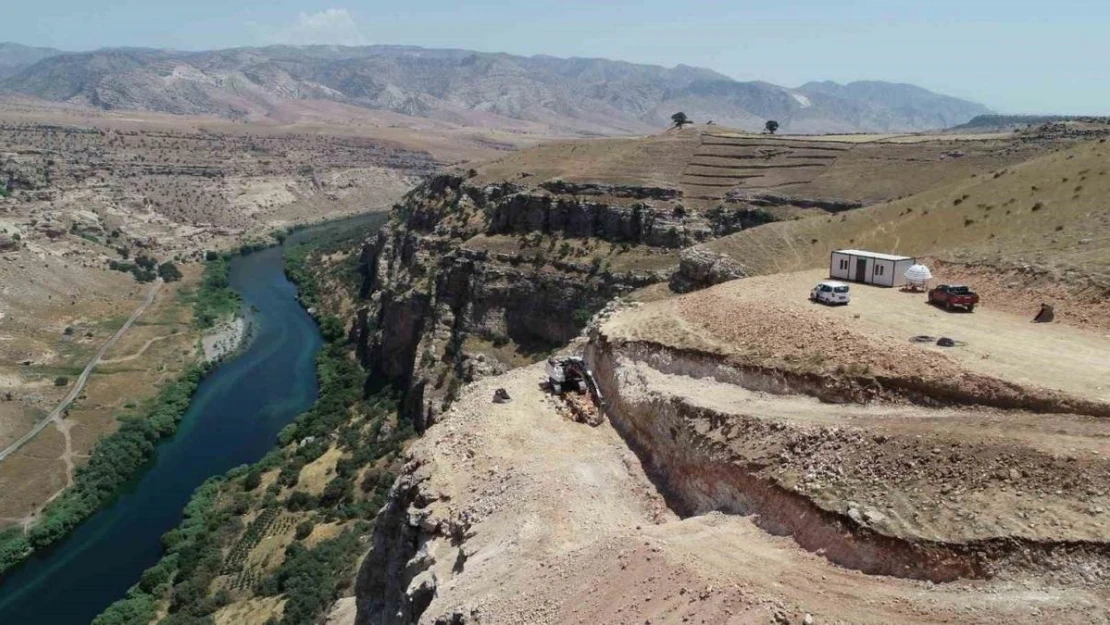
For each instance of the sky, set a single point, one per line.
(1015, 57)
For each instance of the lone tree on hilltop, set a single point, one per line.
(771, 126)
(680, 120)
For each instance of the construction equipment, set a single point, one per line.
(570, 374)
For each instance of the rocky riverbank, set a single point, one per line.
(226, 338)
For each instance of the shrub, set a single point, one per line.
(582, 316)
(61, 381)
(338, 490)
(300, 500)
(304, 530)
(169, 272)
(331, 327)
(311, 578)
(252, 480)
(215, 297)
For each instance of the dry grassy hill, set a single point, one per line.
(1049, 213)
(710, 164)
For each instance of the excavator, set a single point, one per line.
(571, 374)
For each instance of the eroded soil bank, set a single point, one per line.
(894, 489)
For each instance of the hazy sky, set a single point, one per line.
(1014, 56)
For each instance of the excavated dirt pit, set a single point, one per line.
(886, 488)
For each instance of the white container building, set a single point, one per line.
(870, 267)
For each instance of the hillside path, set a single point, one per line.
(55, 415)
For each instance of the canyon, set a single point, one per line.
(760, 460)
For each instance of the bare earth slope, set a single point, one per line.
(526, 517)
(927, 458)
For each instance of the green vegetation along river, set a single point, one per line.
(233, 419)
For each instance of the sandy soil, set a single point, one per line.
(567, 528)
(253, 612)
(707, 163)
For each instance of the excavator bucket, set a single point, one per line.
(1046, 314)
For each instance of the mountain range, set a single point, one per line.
(573, 96)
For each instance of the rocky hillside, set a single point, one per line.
(762, 459)
(472, 277)
(177, 189)
(755, 472)
(591, 96)
(15, 57)
(468, 280)
(488, 269)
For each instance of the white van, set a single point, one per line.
(831, 292)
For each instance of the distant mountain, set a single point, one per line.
(1010, 122)
(896, 105)
(586, 96)
(15, 57)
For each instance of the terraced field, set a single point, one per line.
(726, 162)
(712, 165)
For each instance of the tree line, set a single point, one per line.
(309, 579)
(680, 119)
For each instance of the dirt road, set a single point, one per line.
(55, 415)
(138, 354)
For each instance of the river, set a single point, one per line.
(233, 419)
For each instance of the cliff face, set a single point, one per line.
(467, 280)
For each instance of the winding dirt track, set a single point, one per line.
(142, 350)
(55, 415)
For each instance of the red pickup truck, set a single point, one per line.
(953, 296)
